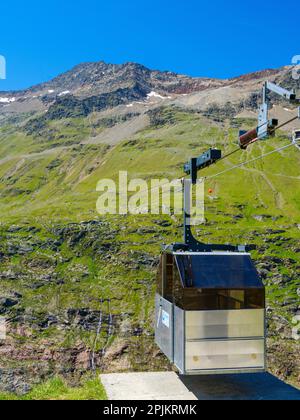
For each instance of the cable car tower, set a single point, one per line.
(210, 300)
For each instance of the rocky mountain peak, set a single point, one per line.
(96, 86)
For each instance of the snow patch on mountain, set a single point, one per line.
(66, 92)
(155, 95)
(7, 100)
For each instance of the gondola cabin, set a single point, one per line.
(210, 312)
(296, 135)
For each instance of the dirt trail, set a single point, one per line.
(279, 200)
(37, 154)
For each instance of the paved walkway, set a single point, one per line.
(168, 386)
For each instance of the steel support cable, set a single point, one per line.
(271, 132)
(286, 123)
(228, 155)
(249, 161)
(262, 156)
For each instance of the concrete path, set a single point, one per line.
(146, 386)
(168, 386)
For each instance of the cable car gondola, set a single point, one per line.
(210, 303)
(210, 312)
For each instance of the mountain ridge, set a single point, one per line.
(60, 81)
(97, 86)
(104, 66)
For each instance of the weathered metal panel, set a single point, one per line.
(164, 326)
(225, 324)
(219, 354)
(179, 339)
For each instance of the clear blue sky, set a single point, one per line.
(211, 38)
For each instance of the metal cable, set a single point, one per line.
(249, 161)
(262, 156)
(228, 155)
(286, 123)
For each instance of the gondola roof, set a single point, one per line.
(217, 270)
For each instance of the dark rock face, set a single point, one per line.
(70, 107)
(6, 303)
(14, 381)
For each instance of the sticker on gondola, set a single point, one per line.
(166, 319)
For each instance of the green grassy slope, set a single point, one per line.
(65, 180)
(57, 264)
(57, 389)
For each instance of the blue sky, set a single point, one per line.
(211, 38)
